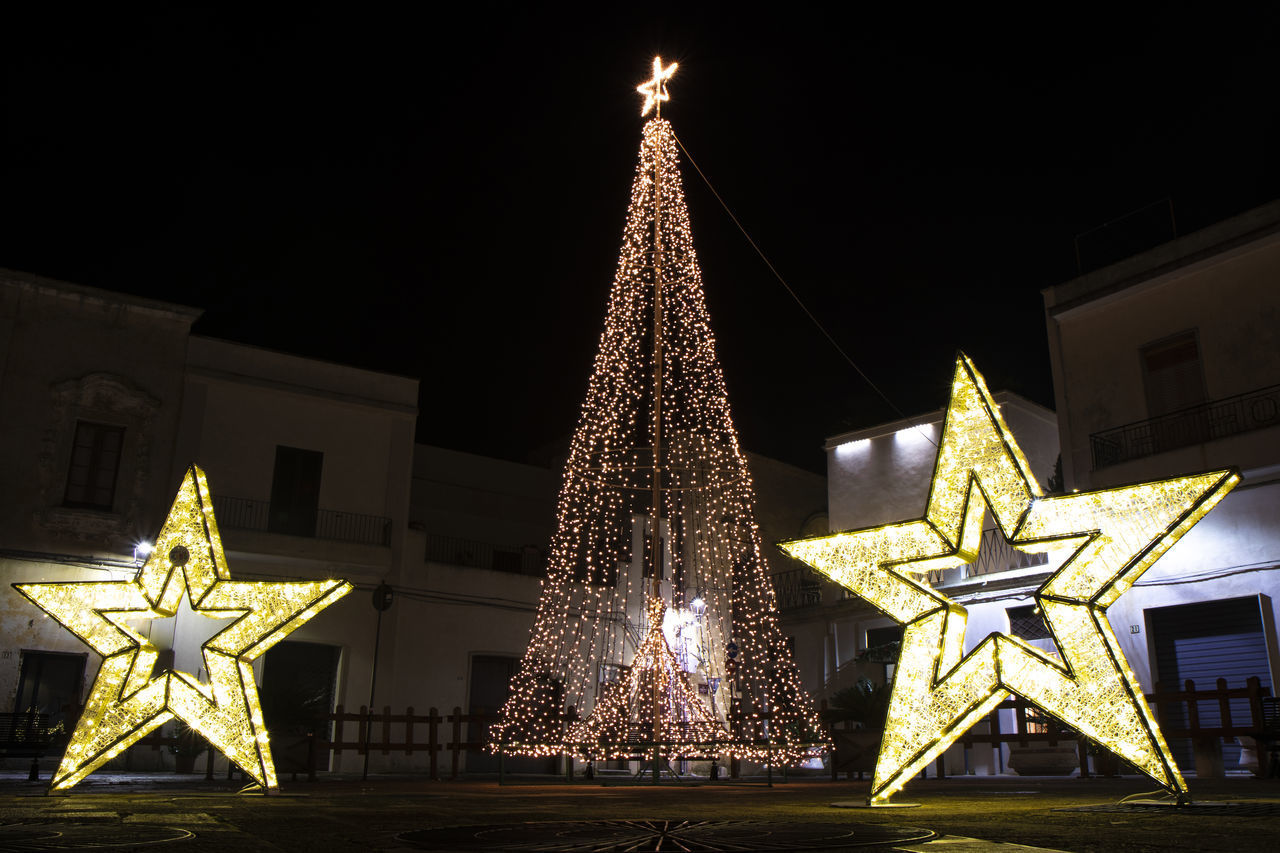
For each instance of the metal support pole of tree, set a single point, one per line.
(382, 596)
(655, 548)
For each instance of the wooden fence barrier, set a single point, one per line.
(1169, 706)
(1177, 712)
(385, 745)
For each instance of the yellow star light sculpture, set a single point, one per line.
(655, 91)
(1111, 536)
(128, 699)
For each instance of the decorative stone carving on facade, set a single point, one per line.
(105, 398)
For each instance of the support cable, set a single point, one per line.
(794, 296)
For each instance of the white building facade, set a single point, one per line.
(881, 475)
(105, 399)
(1164, 364)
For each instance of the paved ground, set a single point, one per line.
(184, 813)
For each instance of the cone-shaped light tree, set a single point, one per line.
(657, 623)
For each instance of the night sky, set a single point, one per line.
(444, 197)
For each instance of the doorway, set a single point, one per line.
(51, 683)
(490, 684)
(299, 685)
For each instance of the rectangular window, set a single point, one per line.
(1174, 380)
(883, 646)
(1028, 623)
(878, 638)
(1175, 387)
(95, 462)
(295, 491)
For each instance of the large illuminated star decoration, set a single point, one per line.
(655, 91)
(1109, 538)
(128, 699)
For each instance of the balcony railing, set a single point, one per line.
(469, 553)
(797, 588)
(996, 555)
(1196, 425)
(244, 514)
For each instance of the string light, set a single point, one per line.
(598, 664)
(127, 701)
(1109, 538)
(624, 715)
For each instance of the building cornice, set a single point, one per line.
(1247, 232)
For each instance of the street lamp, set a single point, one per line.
(382, 597)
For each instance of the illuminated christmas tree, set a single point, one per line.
(657, 623)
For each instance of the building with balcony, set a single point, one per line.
(1168, 363)
(91, 387)
(104, 401)
(882, 474)
(310, 467)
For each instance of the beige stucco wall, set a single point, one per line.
(1231, 299)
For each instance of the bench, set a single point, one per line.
(26, 734)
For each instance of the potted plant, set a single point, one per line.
(856, 718)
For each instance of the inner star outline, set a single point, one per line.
(129, 699)
(1110, 537)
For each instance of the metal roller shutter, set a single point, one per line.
(1204, 642)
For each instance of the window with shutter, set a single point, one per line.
(1175, 386)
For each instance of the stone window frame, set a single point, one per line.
(112, 400)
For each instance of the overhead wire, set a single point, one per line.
(800, 302)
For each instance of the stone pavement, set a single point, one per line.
(404, 813)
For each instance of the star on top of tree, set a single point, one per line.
(655, 90)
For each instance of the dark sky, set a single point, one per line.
(443, 197)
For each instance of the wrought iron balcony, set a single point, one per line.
(244, 514)
(456, 551)
(996, 555)
(1195, 425)
(797, 588)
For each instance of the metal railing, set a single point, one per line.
(456, 551)
(1195, 425)
(244, 514)
(797, 588)
(995, 555)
